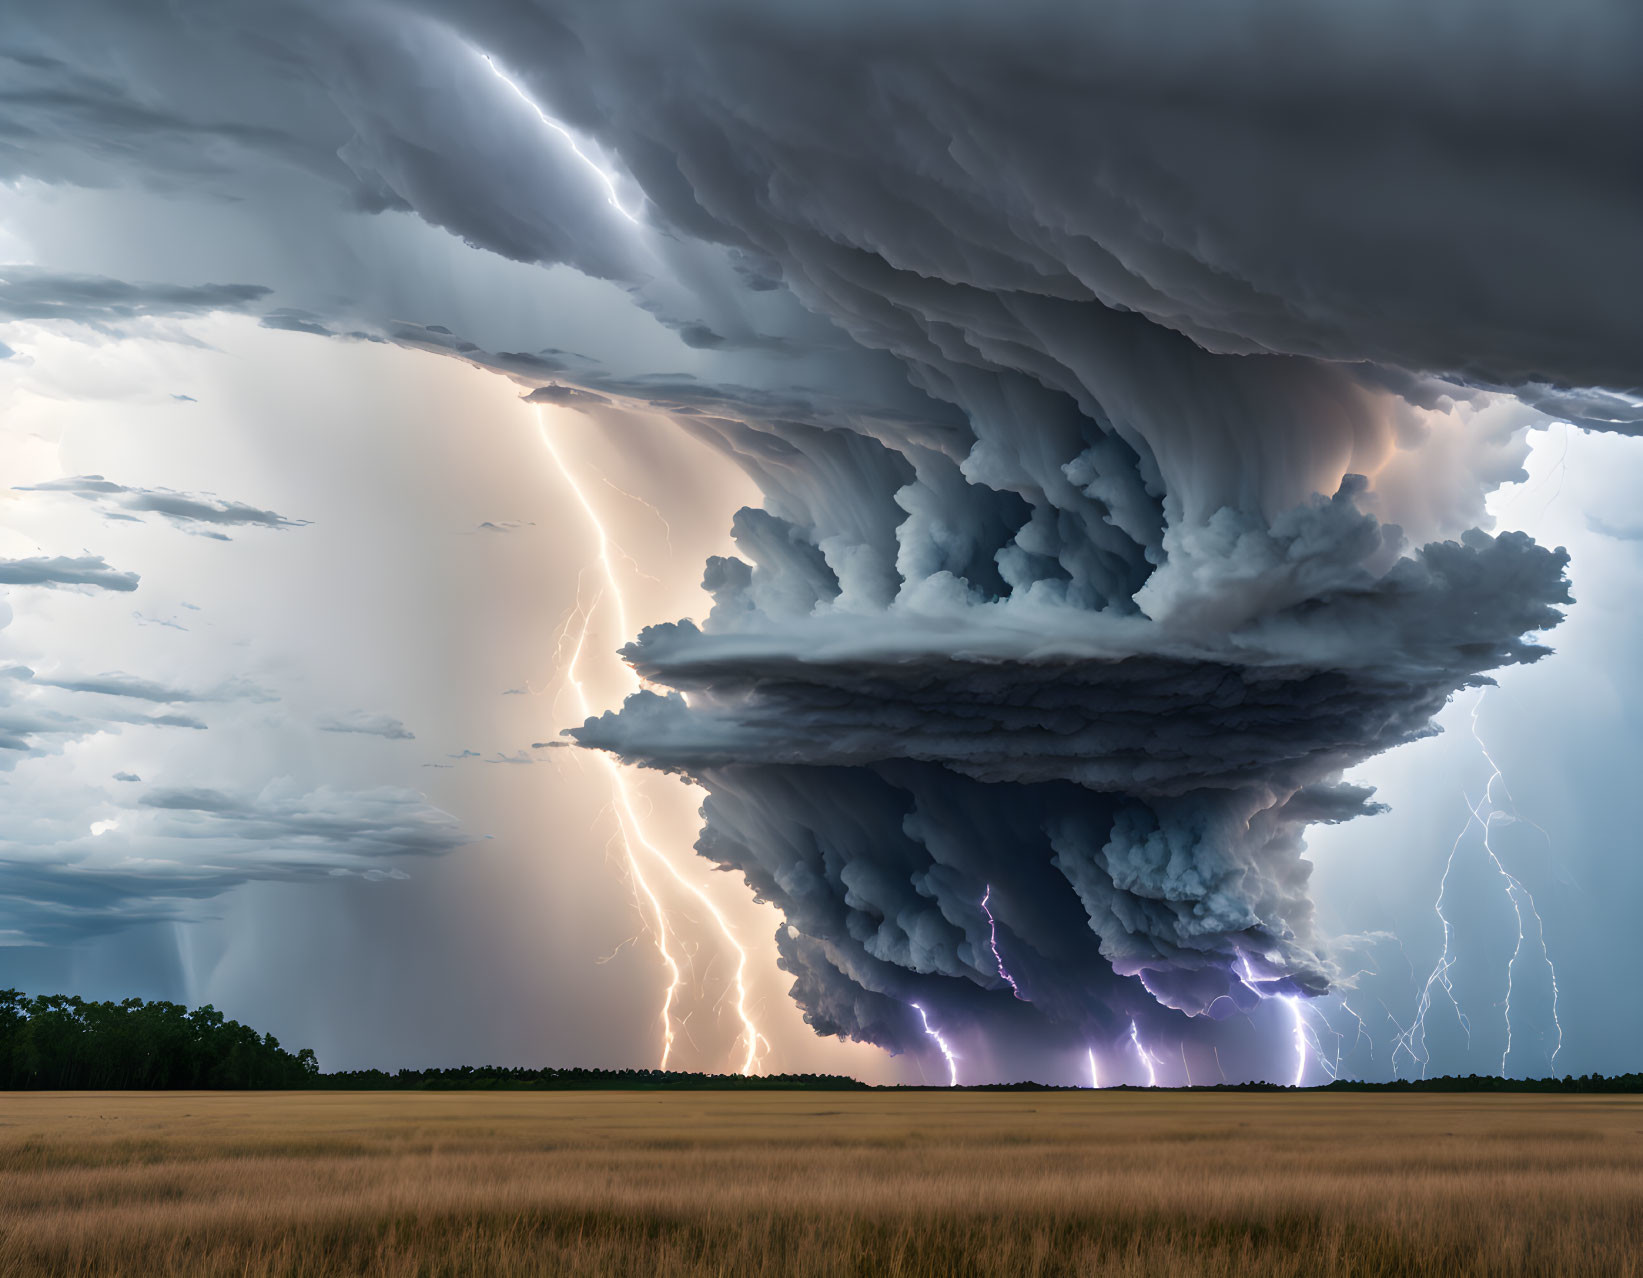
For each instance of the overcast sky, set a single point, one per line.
(362, 397)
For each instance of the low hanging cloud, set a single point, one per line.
(91, 571)
(118, 684)
(164, 856)
(37, 719)
(367, 725)
(33, 293)
(191, 511)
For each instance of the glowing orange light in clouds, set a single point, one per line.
(631, 826)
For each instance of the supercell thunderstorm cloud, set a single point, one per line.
(1123, 384)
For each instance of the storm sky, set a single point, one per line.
(1080, 538)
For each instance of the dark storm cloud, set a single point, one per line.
(1091, 588)
(58, 570)
(185, 510)
(1057, 339)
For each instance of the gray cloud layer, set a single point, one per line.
(30, 293)
(172, 849)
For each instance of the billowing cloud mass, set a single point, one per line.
(1123, 393)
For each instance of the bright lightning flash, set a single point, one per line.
(934, 1035)
(1515, 891)
(992, 937)
(1294, 1005)
(1147, 1058)
(632, 827)
(606, 176)
(1486, 813)
(1095, 1070)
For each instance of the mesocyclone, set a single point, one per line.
(1092, 550)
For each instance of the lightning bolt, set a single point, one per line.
(1439, 975)
(1294, 1005)
(1486, 814)
(607, 177)
(992, 937)
(1095, 1070)
(632, 832)
(1515, 891)
(932, 1033)
(1297, 1012)
(632, 827)
(1147, 1058)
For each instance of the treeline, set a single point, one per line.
(485, 1077)
(1494, 1083)
(59, 1042)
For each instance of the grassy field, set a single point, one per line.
(1101, 1183)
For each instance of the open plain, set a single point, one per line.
(819, 1183)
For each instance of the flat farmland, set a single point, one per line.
(819, 1183)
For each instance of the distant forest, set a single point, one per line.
(61, 1043)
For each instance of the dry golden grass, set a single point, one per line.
(1111, 1184)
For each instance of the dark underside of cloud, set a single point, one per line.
(1060, 340)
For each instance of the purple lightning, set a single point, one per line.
(1297, 1014)
(992, 935)
(1095, 1072)
(935, 1035)
(1147, 1057)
